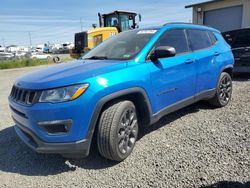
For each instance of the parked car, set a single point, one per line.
(129, 81)
(2, 49)
(21, 54)
(240, 43)
(6, 55)
(40, 56)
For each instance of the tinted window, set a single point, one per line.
(230, 37)
(242, 39)
(199, 39)
(174, 38)
(238, 38)
(212, 37)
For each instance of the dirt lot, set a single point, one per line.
(194, 147)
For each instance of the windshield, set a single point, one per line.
(111, 20)
(123, 46)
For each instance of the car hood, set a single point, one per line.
(67, 73)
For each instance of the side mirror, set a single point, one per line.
(163, 52)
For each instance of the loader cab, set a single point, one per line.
(122, 20)
(110, 24)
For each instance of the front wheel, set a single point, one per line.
(117, 131)
(223, 91)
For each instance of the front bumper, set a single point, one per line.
(28, 125)
(31, 117)
(34, 142)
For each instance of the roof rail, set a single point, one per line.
(180, 23)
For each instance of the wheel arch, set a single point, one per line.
(229, 70)
(137, 95)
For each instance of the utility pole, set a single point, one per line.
(30, 39)
(81, 23)
(3, 42)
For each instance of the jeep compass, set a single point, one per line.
(127, 82)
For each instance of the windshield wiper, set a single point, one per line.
(97, 57)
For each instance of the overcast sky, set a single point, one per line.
(56, 21)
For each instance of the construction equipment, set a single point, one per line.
(109, 25)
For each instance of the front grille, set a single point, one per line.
(24, 96)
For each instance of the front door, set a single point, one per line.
(173, 79)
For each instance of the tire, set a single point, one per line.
(117, 131)
(223, 91)
(56, 59)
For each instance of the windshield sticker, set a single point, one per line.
(147, 32)
(126, 56)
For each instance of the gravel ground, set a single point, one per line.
(194, 147)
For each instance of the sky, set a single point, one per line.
(56, 21)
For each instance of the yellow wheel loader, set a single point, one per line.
(109, 25)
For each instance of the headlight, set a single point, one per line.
(63, 94)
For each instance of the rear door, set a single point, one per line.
(173, 79)
(206, 53)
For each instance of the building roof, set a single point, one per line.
(202, 3)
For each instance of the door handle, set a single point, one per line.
(189, 61)
(216, 53)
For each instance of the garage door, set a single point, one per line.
(224, 19)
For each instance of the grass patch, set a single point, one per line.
(18, 63)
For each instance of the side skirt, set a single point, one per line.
(183, 103)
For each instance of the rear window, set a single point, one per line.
(242, 39)
(238, 38)
(212, 37)
(199, 39)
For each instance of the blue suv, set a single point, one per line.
(129, 81)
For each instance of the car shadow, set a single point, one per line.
(166, 120)
(16, 157)
(228, 184)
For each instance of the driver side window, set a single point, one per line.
(174, 38)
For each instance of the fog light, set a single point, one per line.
(56, 126)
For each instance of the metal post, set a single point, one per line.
(3, 42)
(30, 39)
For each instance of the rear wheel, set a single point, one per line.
(117, 131)
(223, 91)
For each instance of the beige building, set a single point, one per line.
(223, 15)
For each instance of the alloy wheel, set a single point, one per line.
(225, 90)
(127, 131)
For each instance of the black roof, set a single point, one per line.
(121, 11)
